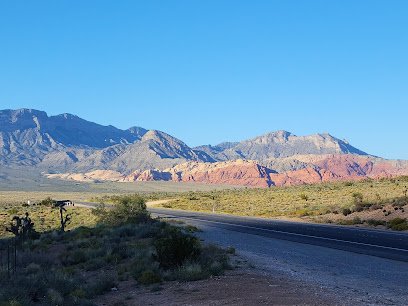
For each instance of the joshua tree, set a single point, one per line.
(27, 225)
(15, 226)
(21, 226)
(64, 220)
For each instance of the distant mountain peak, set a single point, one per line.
(67, 142)
(136, 130)
(67, 116)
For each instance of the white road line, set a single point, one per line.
(331, 226)
(289, 233)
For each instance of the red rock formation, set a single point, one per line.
(250, 173)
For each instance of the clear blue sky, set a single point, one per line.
(211, 71)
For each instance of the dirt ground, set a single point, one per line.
(237, 287)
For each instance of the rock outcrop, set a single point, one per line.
(252, 174)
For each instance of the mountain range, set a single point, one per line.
(68, 147)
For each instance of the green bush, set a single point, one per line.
(129, 210)
(47, 202)
(346, 211)
(175, 247)
(374, 222)
(398, 224)
(357, 197)
(357, 220)
(142, 262)
(211, 254)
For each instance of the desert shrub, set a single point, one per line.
(140, 262)
(73, 258)
(304, 197)
(374, 222)
(43, 287)
(398, 224)
(376, 206)
(129, 210)
(13, 211)
(346, 211)
(354, 221)
(175, 247)
(231, 250)
(190, 272)
(100, 286)
(357, 197)
(191, 229)
(399, 202)
(302, 212)
(361, 206)
(357, 220)
(47, 202)
(94, 264)
(83, 232)
(214, 259)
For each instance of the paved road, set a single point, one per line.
(380, 243)
(386, 244)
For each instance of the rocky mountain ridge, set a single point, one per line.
(68, 147)
(250, 173)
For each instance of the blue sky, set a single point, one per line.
(211, 71)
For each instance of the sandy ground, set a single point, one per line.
(156, 203)
(242, 286)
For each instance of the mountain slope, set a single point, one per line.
(280, 144)
(27, 136)
(66, 142)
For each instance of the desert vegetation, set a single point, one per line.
(44, 215)
(124, 244)
(381, 202)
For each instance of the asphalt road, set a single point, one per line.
(380, 243)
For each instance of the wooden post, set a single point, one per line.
(62, 220)
(15, 255)
(8, 260)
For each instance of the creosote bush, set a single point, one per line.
(130, 209)
(175, 247)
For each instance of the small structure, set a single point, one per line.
(64, 203)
